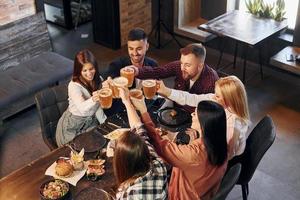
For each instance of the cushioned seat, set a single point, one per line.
(32, 76)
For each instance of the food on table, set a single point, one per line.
(77, 159)
(95, 168)
(55, 189)
(173, 113)
(96, 162)
(63, 167)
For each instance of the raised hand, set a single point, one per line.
(107, 82)
(124, 95)
(162, 89)
(139, 104)
(95, 96)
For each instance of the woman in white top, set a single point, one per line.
(84, 111)
(231, 94)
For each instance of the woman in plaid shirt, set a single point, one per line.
(140, 173)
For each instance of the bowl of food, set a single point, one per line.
(55, 190)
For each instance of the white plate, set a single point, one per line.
(73, 179)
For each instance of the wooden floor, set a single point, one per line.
(278, 95)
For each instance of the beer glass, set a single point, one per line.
(117, 83)
(136, 93)
(105, 96)
(128, 73)
(149, 88)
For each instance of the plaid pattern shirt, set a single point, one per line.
(153, 185)
(203, 85)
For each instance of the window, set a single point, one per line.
(290, 9)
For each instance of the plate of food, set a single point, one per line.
(95, 169)
(55, 190)
(116, 133)
(63, 169)
(174, 116)
(91, 141)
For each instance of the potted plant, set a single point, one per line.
(265, 10)
(279, 10)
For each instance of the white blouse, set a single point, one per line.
(237, 129)
(82, 104)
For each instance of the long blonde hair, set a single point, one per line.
(235, 96)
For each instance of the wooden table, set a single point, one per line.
(24, 183)
(244, 28)
(280, 60)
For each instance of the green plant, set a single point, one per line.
(253, 6)
(262, 9)
(266, 10)
(279, 10)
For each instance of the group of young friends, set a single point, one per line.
(220, 121)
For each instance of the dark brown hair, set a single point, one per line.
(196, 48)
(212, 119)
(131, 158)
(137, 34)
(83, 57)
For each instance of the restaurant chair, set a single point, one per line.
(258, 142)
(228, 182)
(51, 104)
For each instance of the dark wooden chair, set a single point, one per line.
(258, 142)
(51, 104)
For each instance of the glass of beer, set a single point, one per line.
(149, 88)
(136, 93)
(117, 83)
(105, 95)
(128, 73)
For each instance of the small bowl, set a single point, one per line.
(65, 196)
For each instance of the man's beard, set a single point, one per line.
(185, 75)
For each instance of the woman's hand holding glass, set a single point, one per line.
(139, 104)
(124, 95)
(95, 96)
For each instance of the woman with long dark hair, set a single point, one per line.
(140, 172)
(230, 92)
(84, 111)
(198, 167)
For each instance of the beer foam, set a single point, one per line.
(149, 83)
(136, 93)
(120, 81)
(128, 69)
(104, 92)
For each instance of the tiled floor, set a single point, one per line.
(277, 176)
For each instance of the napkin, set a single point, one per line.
(73, 179)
